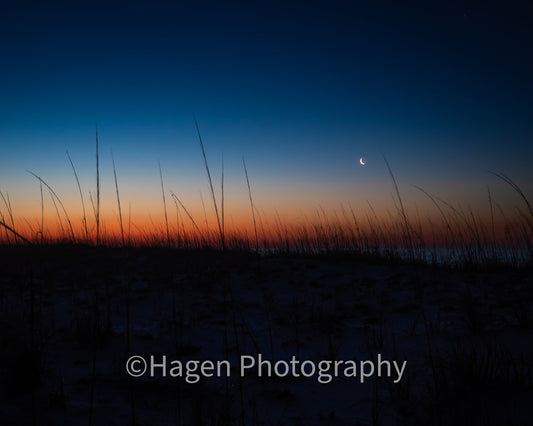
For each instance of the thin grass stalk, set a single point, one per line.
(118, 199)
(164, 201)
(186, 211)
(407, 229)
(205, 213)
(527, 241)
(42, 212)
(15, 233)
(3, 220)
(493, 229)
(7, 202)
(210, 185)
(251, 203)
(97, 211)
(348, 231)
(357, 229)
(177, 222)
(10, 210)
(92, 204)
(459, 237)
(376, 229)
(58, 215)
(129, 223)
(477, 235)
(528, 220)
(265, 242)
(433, 200)
(470, 228)
(54, 195)
(81, 196)
(518, 190)
(222, 204)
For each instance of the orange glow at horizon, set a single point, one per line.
(272, 227)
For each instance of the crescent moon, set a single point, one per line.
(361, 161)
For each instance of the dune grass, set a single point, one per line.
(97, 209)
(251, 203)
(215, 204)
(118, 200)
(458, 235)
(164, 202)
(84, 219)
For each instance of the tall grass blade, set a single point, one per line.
(57, 213)
(97, 211)
(407, 228)
(178, 239)
(210, 185)
(222, 204)
(15, 233)
(205, 213)
(164, 201)
(519, 191)
(186, 211)
(118, 198)
(434, 201)
(42, 211)
(251, 203)
(493, 229)
(7, 202)
(81, 196)
(54, 195)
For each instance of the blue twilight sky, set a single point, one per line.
(300, 89)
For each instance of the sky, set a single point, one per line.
(301, 90)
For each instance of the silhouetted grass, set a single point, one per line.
(55, 197)
(458, 235)
(118, 199)
(251, 203)
(97, 209)
(84, 219)
(164, 203)
(219, 223)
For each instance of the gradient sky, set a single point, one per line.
(300, 90)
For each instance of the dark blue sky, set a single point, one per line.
(301, 90)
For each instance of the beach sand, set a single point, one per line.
(72, 316)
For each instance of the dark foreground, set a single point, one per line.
(71, 317)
